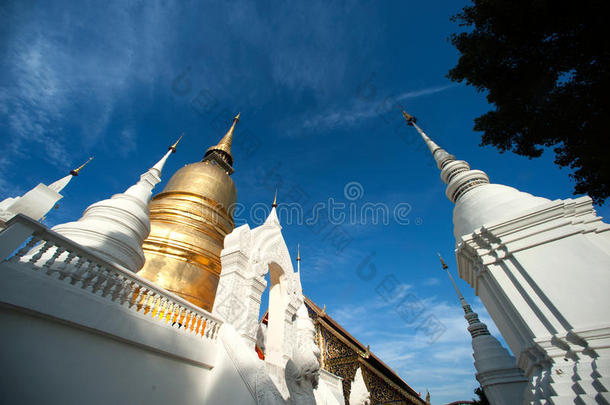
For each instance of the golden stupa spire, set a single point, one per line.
(78, 169)
(408, 117)
(298, 252)
(443, 264)
(173, 147)
(224, 146)
(274, 200)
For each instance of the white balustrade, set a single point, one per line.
(49, 253)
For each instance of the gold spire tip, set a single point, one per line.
(173, 147)
(408, 117)
(224, 145)
(445, 267)
(78, 169)
(275, 199)
(298, 253)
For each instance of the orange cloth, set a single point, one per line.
(260, 353)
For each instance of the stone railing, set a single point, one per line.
(27, 242)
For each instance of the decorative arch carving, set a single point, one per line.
(246, 259)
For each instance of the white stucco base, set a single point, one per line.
(63, 345)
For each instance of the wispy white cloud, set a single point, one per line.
(362, 109)
(65, 78)
(431, 281)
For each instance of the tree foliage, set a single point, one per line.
(545, 65)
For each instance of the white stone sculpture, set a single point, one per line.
(302, 370)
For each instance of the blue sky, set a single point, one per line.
(317, 83)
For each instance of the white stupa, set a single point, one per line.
(115, 228)
(37, 202)
(497, 371)
(542, 270)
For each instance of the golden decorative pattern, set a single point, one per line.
(340, 356)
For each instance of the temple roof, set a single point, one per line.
(366, 355)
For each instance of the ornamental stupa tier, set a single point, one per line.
(189, 221)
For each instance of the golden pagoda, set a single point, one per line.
(189, 220)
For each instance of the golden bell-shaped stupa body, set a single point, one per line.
(189, 221)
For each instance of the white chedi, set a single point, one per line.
(540, 268)
(37, 202)
(359, 394)
(116, 227)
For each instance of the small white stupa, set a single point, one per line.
(115, 228)
(37, 202)
(497, 371)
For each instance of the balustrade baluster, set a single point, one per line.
(161, 310)
(208, 328)
(89, 276)
(171, 306)
(81, 268)
(152, 306)
(28, 246)
(67, 267)
(178, 320)
(197, 325)
(110, 282)
(201, 331)
(189, 322)
(74, 270)
(51, 261)
(127, 292)
(100, 278)
(119, 286)
(144, 295)
(41, 251)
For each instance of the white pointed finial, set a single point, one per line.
(455, 173)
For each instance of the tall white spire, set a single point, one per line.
(455, 173)
(115, 228)
(503, 382)
(477, 202)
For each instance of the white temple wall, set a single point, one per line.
(228, 382)
(45, 361)
(66, 344)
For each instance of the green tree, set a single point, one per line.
(545, 65)
(482, 399)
